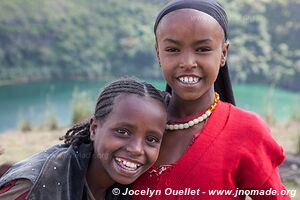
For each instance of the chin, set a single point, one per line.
(125, 180)
(189, 97)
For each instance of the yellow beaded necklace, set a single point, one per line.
(199, 117)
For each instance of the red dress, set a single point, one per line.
(234, 152)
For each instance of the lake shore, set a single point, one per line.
(34, 102)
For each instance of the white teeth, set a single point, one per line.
(189, 79)
(186, 79)
(130, 165)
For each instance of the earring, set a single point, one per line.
(223, 62)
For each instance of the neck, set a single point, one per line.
(179, 108)
(97, 178)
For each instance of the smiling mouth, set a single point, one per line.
(127, 165)
(189, 79)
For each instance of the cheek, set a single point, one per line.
(167, 68)
(219, 56)
(212, 74)
(213, 66)
(152, 155)
(100, 156)
(165, 72)
(104, 150)
(100, 151)
(164, 59)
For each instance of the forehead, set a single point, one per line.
(189, 21)
(126, 105)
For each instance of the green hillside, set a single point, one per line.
(97, 39)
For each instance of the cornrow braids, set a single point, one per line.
(80, 133)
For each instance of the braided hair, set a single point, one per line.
(80, 133)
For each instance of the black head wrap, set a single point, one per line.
(214, 9)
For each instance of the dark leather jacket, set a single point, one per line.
(57, 173)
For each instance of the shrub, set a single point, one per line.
(51, 121)
(269, 115)
(295, 117)
(81, 106)
(25, 126)
(298, 145)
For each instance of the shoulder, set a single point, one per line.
(30, 168)
(254, 136)
(63, 171)
(259, 153)
(247, 122)
(246, 117)
(57, 168)
(16, 189)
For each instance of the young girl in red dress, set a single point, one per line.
(120, 142)
(211, 149)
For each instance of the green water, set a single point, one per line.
(32, 101)
(282, 103)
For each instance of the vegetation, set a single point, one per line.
(51, 122)
(81, 110)
(25, 126)
(298, 145)
(97, 39)
(81, 106)
(263, 35)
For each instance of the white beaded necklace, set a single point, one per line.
(197, 120)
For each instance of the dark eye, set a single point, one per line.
(122, 132)
(152, 139)
(172, 50)
(203, 49)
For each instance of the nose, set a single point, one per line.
(135, 147)
(188, 60)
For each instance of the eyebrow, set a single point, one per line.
(171, 41)
(203, 41)
(157, 134)
(126, 124)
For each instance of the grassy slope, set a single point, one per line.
(18, 145)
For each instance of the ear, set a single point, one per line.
(224, 53)
(93, 128)
(157, 53)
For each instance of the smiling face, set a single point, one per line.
(190, 49)
(127, 141)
